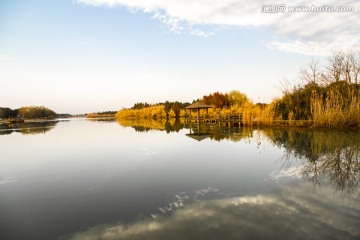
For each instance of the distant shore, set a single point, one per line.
(41, 120)
(35, 120)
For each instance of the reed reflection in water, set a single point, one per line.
(319, 156)
(322, 157)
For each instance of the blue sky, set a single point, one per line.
(96, 55)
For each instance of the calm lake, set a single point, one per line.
(87, 180)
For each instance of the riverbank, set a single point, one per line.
(35, 120)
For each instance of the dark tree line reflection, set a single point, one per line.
(145, 125)
(31, 128)
(198, 132)
(215, 133)
(324, 157)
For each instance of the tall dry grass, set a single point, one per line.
(254, 115)
(153, 112)
(334, 111)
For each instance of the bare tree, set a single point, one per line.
(311, 74)
(334, 69)
(355, 70)
(347, 67)
(286, 87)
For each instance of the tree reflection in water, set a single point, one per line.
(196, 131)
(323, 157)
(29, 128)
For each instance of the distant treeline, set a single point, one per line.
(221, 103)
(27, 112)
(101, 114)
(217, 99)
(325, 96)
(6, 112)
(166, 109)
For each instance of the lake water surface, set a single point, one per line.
(84, 180)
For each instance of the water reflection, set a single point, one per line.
(28, 128)
(106, 120)
(322, 157)
(198, 132)
(145, 125)
(319, 156)
(87, 176)
(292, 212)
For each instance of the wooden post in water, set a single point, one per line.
(189, 120)
(198, 115)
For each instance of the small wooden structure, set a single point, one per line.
(15, 120)
(198, 105)
(230, 120)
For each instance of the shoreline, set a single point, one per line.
(35, 120)
(303, 124)
(42, 120)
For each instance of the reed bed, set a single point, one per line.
(333, 111)
(328, 110)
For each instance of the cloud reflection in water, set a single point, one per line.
(294, 211)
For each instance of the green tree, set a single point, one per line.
(8, 112)
(237, 98)
(167, 108)
(36, 112)
(176, 109)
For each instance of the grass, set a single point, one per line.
(334, 111)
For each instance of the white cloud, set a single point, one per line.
(174, 24)
(201, 33)
(294, 172)
(7, 57)
(316, 33)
